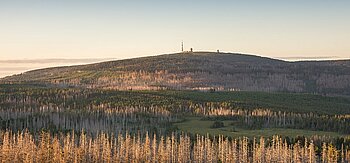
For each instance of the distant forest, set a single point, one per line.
(200, 71)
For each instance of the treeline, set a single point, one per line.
(265, 118)
(55, 121)
(75, 109)
(61, 110)
(25, 147)
(67, 109)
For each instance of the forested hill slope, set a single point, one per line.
(200, 70)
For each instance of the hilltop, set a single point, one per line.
(200, 71)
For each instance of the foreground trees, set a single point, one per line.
(24, 147)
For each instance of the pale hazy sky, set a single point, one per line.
(129, 28)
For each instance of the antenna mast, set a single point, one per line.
(182, 46)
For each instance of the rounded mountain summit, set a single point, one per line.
(199, 71)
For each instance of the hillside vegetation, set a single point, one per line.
(200, 71)
(39, 123)
(63, 109)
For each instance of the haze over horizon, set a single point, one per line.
(129, 29)
(11, 67)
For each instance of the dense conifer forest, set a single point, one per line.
(41, 123)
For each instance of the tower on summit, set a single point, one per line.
(182, 46)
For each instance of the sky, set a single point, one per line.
(37, 29)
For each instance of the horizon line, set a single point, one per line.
(78, 60)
